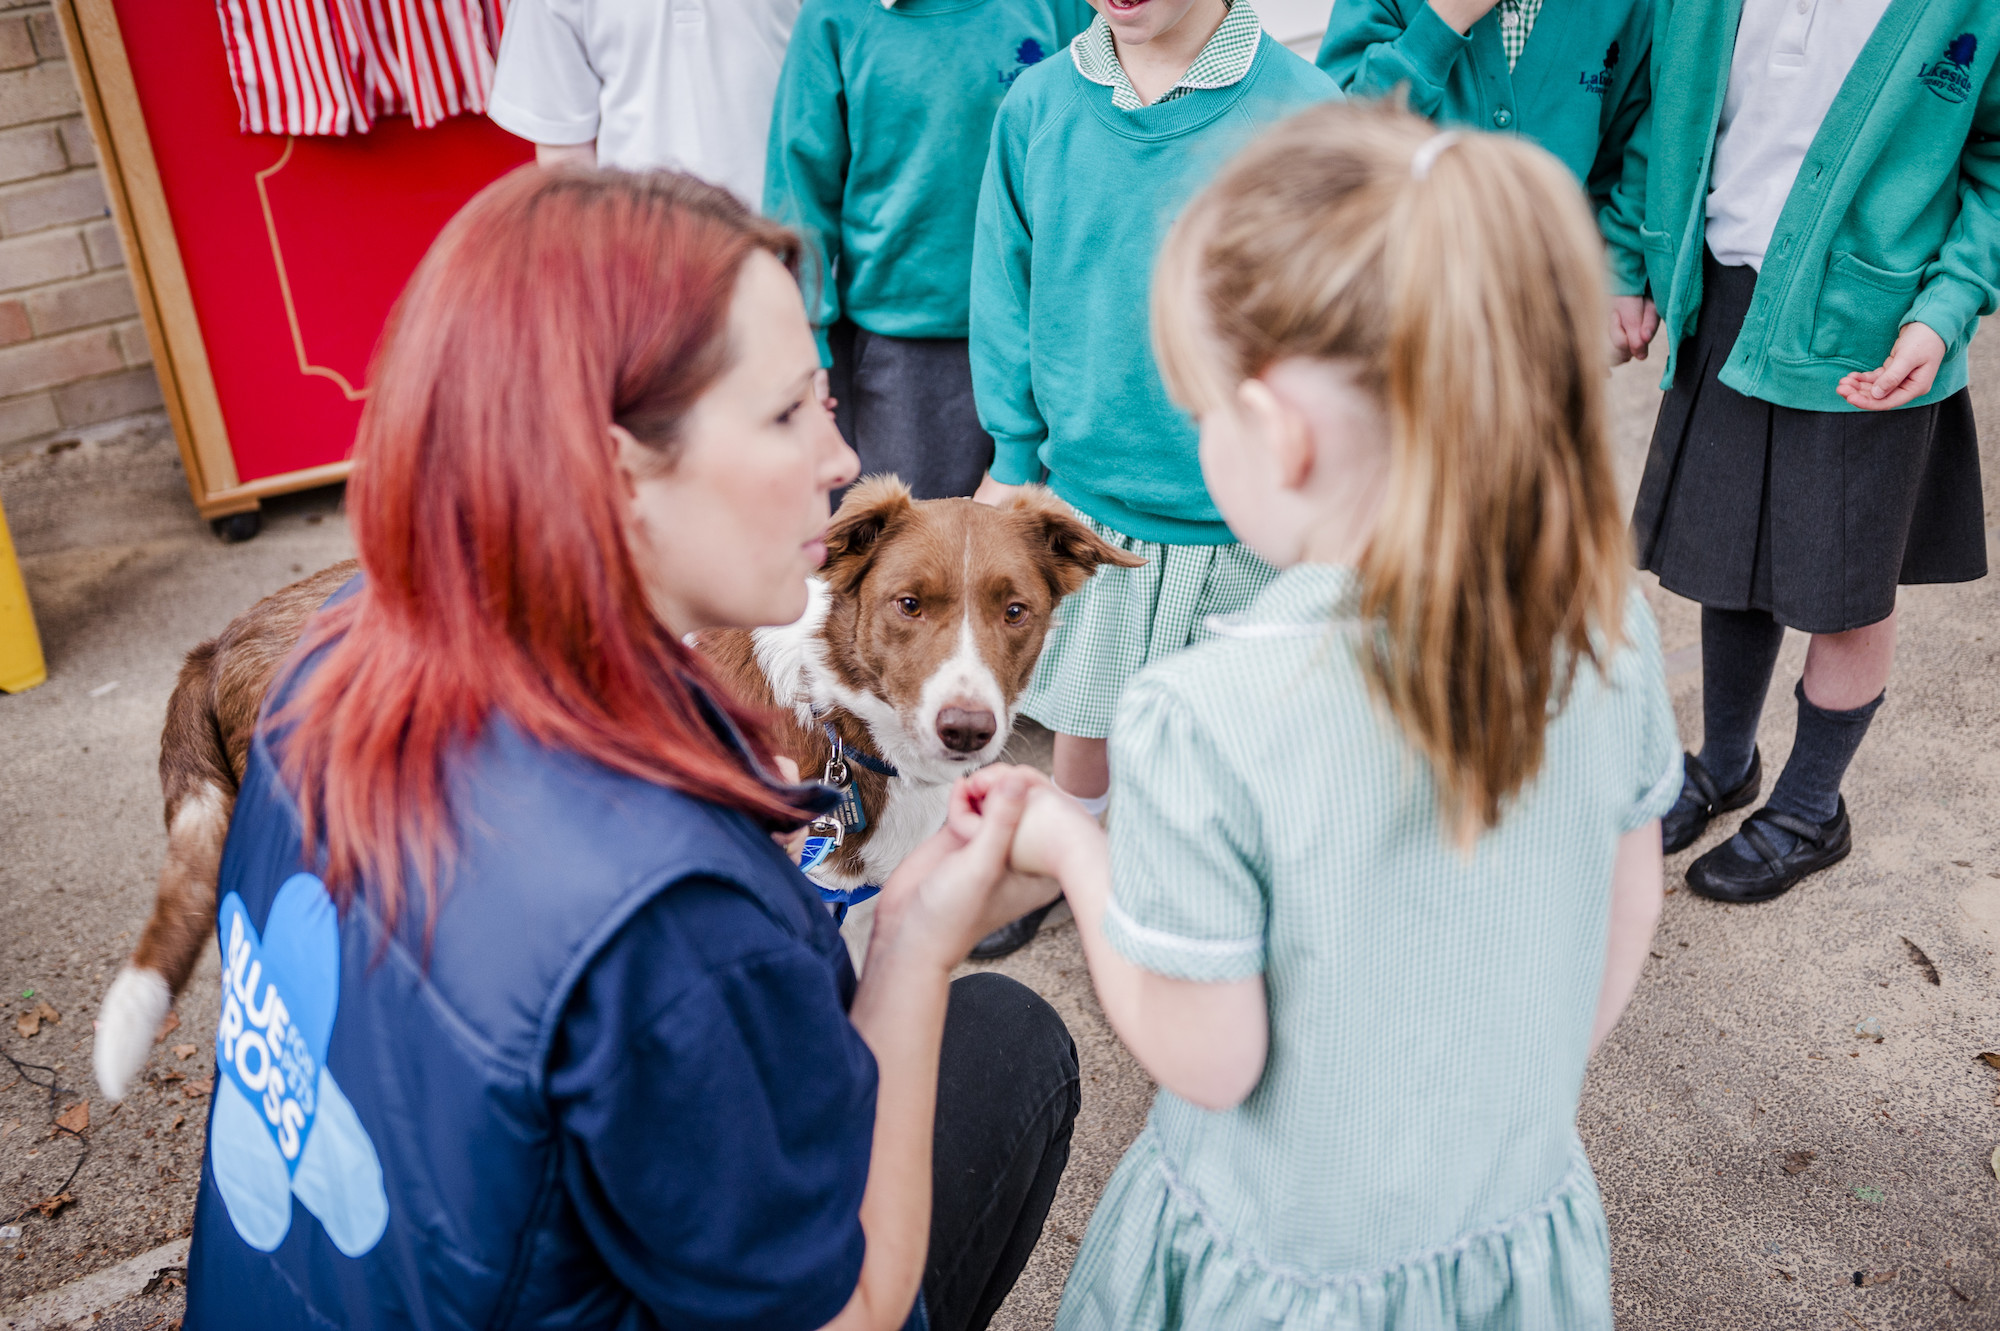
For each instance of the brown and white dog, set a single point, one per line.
(920, 634)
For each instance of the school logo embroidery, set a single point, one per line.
(1947, 77)
(282, 1128)
(1028, 54)
(1599, 83)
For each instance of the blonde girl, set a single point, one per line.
(1387, 854)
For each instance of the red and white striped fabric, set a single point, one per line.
(336, 66)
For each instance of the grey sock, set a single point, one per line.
(1809, 787)
(1739, 649)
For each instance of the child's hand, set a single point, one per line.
(994, 493)
(1908, 373)
(954, 888)
(1634, 320)
(1052, 824)
(1460, 15)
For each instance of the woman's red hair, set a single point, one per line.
(487, 511)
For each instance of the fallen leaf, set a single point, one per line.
(194, 1090)
(168, 1024)
(168, 1277)
(185, 1050)
(47, 1013)
(1796, 1161)
(1867, 1279)
(27, 1024)
(1963, 864)
(1925, 965)
(167, 1074)
(178, 1120)
(76, 1118)
(48, 1206)
(1991, 1058)
(1996, 1162)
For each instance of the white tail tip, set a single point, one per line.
(133, 1009)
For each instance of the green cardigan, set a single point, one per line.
(1579, 89)
(1894, 219)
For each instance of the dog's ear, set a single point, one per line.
(1076, 551)
(871, 507)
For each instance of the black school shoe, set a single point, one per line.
(1011, 937)
(1723, 875)
(1700, 801)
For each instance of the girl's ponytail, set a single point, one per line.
(1462, 276)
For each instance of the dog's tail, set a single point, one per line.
(199, 782)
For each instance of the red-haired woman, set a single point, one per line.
(527, 1019)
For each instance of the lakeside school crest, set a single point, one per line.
(1949, 77)
(1026, 56)
(282, 1128)
(1598, 83)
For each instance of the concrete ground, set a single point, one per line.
(1762, 1166)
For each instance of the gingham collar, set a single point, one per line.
(1223, 61)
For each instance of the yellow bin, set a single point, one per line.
(21, 664)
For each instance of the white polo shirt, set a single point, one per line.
(1791, 58)
(686, 84)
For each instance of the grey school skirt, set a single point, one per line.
(1814, 517)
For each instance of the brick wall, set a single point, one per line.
(72, 351)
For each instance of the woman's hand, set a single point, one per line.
(1634, 320)
(1908, 373)
(954, 889)
(793, 843)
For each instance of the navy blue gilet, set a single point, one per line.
(381, 1152)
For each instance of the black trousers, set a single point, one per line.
(904, 405)
(1008, 1093)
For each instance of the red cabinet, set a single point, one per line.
(265, 265)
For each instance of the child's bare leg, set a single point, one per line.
(1843, 670)
(1083, 766)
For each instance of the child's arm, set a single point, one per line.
(1636, 898)
(545, 88)
(805, 167)
(1002, 267)
(566, 154)
(1372, 47)
(1204, 1041)
(1628, 144)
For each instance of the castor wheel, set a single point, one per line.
(238, 526)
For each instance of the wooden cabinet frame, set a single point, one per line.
(159, 281)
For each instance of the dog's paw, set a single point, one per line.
(133, 1010)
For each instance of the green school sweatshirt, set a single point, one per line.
(1892, 219)
(1077, 198)
(1580, 88)
(878, 144)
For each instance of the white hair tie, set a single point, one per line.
(1433, 147)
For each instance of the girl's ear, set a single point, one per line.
(1281, 429)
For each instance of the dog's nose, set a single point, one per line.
(965, 729)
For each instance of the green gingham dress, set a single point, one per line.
(1124, 619)
(1409, 1158)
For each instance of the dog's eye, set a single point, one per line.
(1016, 613)
(910, 606)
